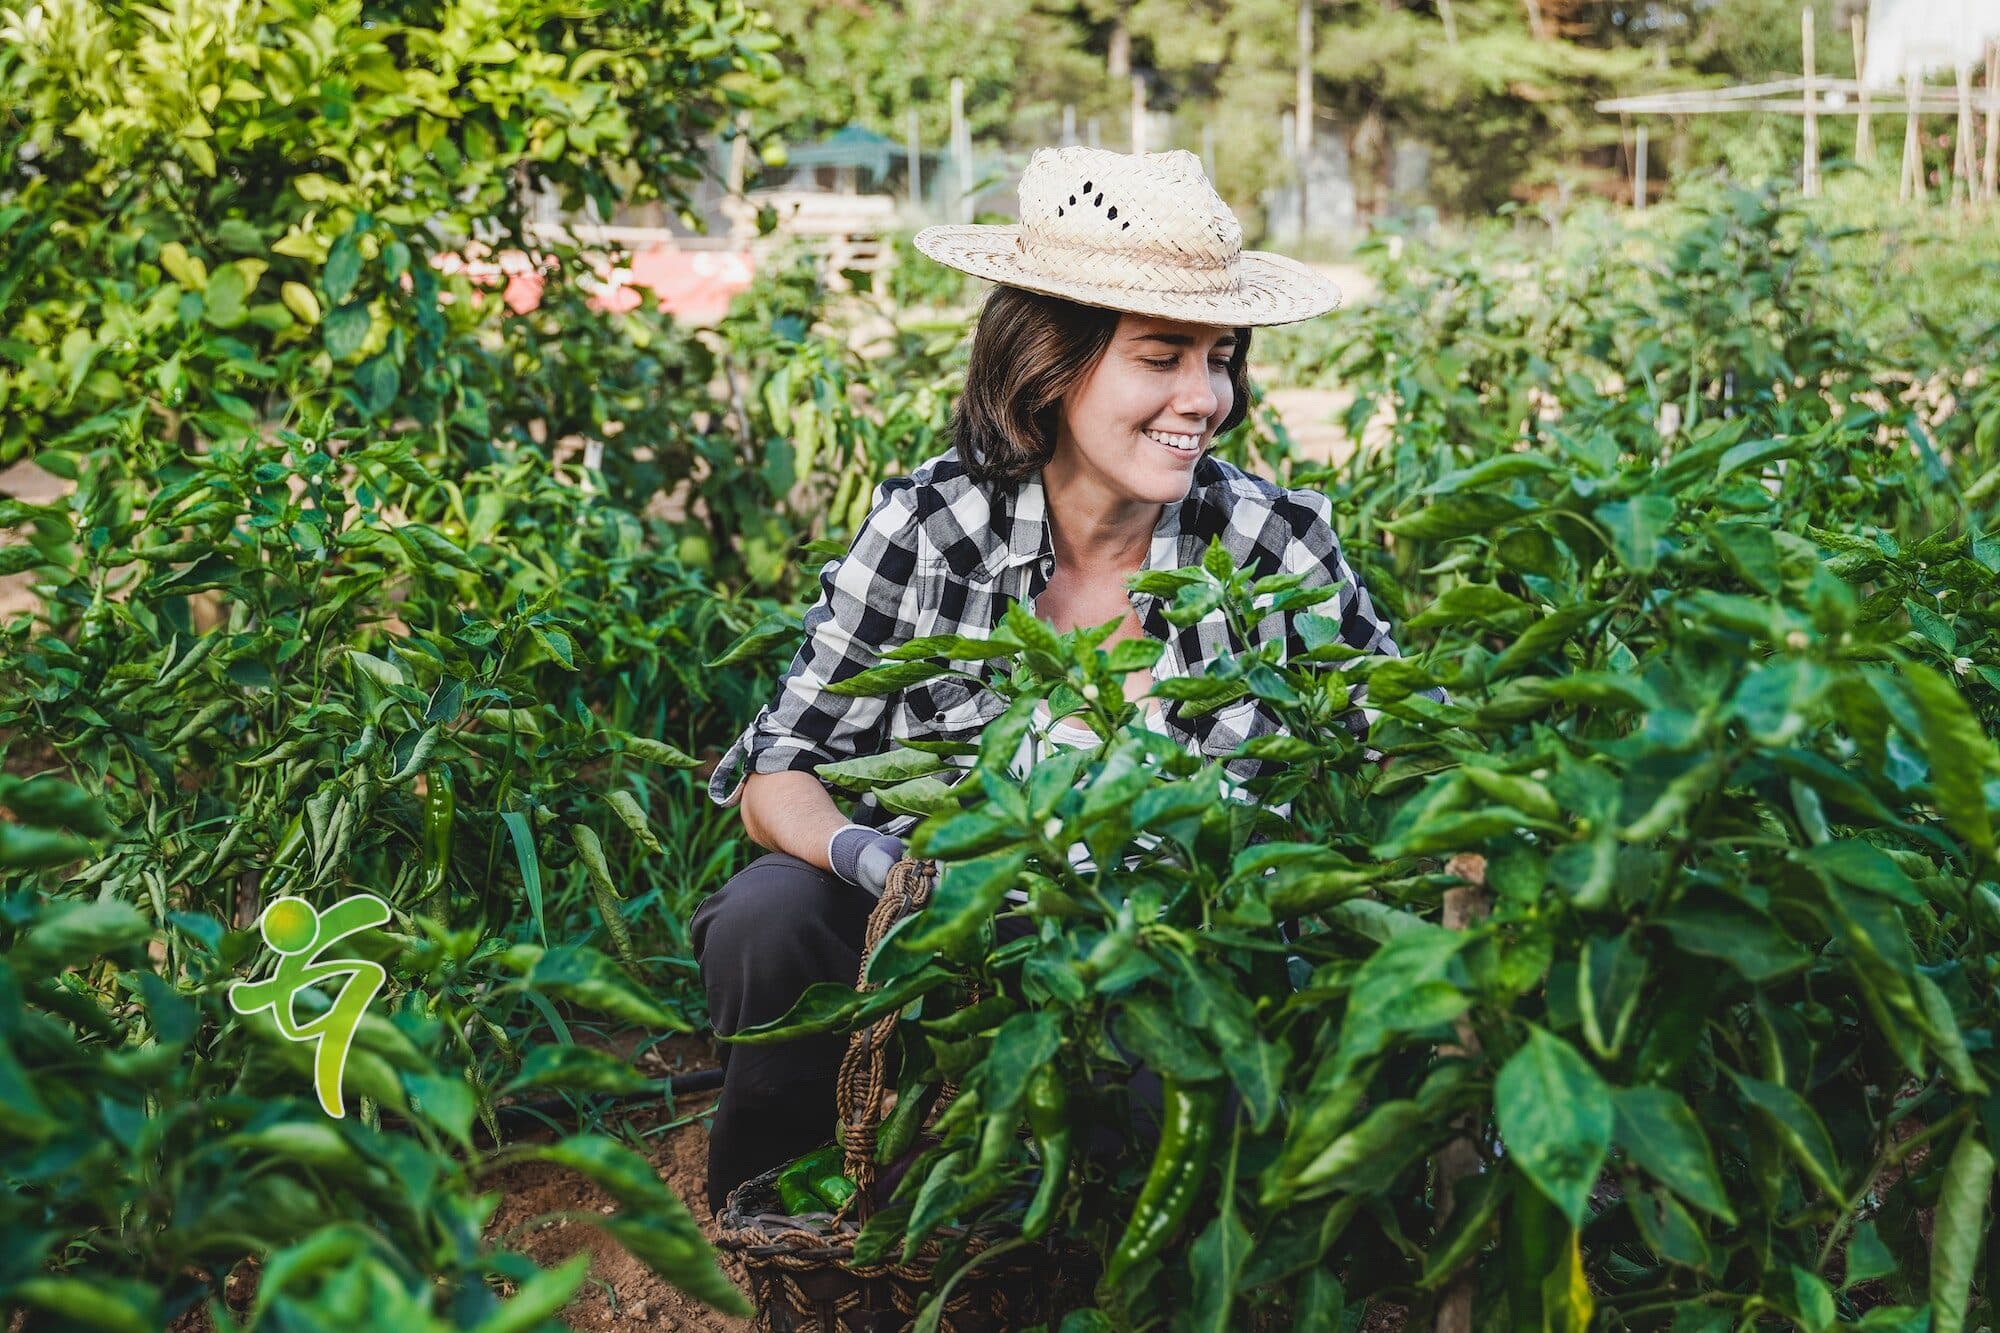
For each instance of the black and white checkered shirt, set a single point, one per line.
(942, 554)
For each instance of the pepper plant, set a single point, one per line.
(1708, 1040)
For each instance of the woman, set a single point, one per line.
(1103, 368)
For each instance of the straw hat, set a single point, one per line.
(1144, 233)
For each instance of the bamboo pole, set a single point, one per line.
(1810, 176)
(1864, 140)
(1913, 166)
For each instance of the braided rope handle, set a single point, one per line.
(860, 1092)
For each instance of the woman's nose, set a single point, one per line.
(1195, 393)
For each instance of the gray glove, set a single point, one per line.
(862, 856)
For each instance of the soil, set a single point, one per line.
(620, 1292)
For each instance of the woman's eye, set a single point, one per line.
(1167, 363)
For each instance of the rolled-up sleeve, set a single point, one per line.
(867, 605)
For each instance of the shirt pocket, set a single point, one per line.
(949, 708)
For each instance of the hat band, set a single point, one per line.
(1124, 271)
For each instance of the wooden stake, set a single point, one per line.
(1458, 1160)
(1450, 23)
(1913, 163)
(1639, 170)
(1138, 115)
(1302, 123)
(961, 150)
(1992, 173)
(1864, 141)
(1208, 148)
(1964, 172)
(1069, 124)
(1810, 176)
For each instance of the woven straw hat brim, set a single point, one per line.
(1275, 289)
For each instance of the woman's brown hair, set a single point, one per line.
(1028, 351)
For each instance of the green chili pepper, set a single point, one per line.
(1048, 1117)
(200, 722)
(440, 815)
(796, 1183)
(1180, 1164)
(834, 1190)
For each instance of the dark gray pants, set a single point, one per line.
(776, 927)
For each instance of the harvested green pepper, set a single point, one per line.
(1180, 1164)
(1048, 1118)
(814, 1184)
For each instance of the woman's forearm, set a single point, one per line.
(791, 812)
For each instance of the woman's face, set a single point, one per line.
(1150, 406)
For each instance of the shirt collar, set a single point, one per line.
(1023, 515)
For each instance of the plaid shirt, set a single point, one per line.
(941, 554)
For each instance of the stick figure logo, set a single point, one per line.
(298, 934)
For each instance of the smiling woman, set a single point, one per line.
(1103, 367)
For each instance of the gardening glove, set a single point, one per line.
(862, 856)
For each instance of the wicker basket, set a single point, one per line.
(801, 1269)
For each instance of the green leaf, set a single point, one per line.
(426, 545)
(345, 330)
(887, 679)
(1164, 1044)
(1367, 1158)
(1867, 1257)
(1457, 515)
(70, 933)
(1797, 1128)
(1959, 752)
(884, 769)
(522, 834)
(1955, 1243)
(954, 648)
(586, 977)
(655, 1226)
(1555, 1116)
(626, 806)
(113, 1305)
(751, 645)
(576, 1069)
(1656, 1129)
(1637, 527)
(557, 643)
(1710, 925)
(343, 267)
(968, 894)
(1812, 1301)
(1217, 1259)
(222, 302)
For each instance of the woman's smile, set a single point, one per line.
(1184, 447)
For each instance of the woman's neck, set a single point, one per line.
(1093, 528)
